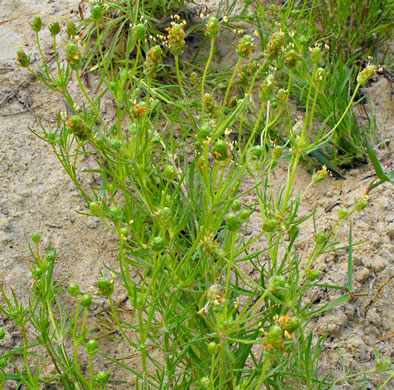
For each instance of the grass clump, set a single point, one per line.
(208, 310)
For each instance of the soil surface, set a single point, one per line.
(36, 195)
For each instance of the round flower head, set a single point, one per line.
(213, 28)
(275, 44)
(245, 46)
(153, 59)
(176, 39)
(36, 24)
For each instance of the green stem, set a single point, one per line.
(204, 77)
(25, 346)
(313, 112)
(90, 371)
(246, 312)
(178, 75)
(116, 318)
(81, 86)
(142, 339)
(287, 98)
(109, 79)
(303, 135)
(263, 372)
(290, 179)
(328, 135)
(230, 84)
(229, 267)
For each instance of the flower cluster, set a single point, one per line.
(213, 28)
(78, 127)
(245, 46)
(153, 59)
(366, 74)
(138, 110)
(291, 58)
(275, 44)
(246, 71)
(176, 38)
(73, 56)
(209, 103)
(266, 88)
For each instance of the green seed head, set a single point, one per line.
(105, 286)
(158, 244)
(233, 222)
(236, 205)
(213, 28)
(209, 103)
(282, 95)
(153, 59)
(166, 214)
(36, 237)
(320, 74)
(50, 256)
(214, 291)
(91, 347)
(54, 28)
(73, 289)
(256, 152)
(366, 74)
(342, 213)
(303, 40)
(316, 54)
(3, 362)
(102, 378)
(116, 214)
(320, 175)
(37, 272)
(97, 12)
(71, 29)
(221, 150)
(361, 204)
(36, 24)
(78, 126)
(274, 333)
(320, 238)
(291, 59)
(275, 45)
(86, 300)
(73, 56)
(270, 225)
(292, 324)
(23, 59)
(267, 88)
(170, 172)
(95, 208)
(245, 46)
(140, 31)
(205, 132)
(244, 214)
(213, 347)
(2, 333)
(294, 232)
(312, 275)
(205, 382)
(277, 281)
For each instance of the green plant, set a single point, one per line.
(176, 205)
(344, 31)
(120, 29)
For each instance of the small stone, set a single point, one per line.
(377, 264)
(362, 274)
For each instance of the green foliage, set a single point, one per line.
(176, 203)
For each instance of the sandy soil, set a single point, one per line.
(37, 196)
